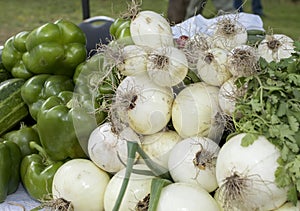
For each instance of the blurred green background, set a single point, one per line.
(282, 16)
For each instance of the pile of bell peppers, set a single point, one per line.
(62, 109)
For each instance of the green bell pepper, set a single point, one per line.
(64, 128)
(39, 87)
(55, 48)
(22, 137)
(14, 49)
(97, 84)
(10, 159)
(120, 30)
(37, 172)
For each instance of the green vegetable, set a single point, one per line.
(96, 84)
(12, 107)
(10, 159)
(13, 51)
(120, 30)
(62, 126)
(37, 172)
(55, 48)
(39, 87)
(4, 73)
(22, 137)
(271, 107)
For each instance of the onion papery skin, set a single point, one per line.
(228, 96)
(243, 65)
(196, 112)
(284, 50)
(212, 67)
(138, 187)
(134, 60)
(82, 183)
(107, 149)
(158, 146)
(228, 41)
(150, 29)
(150, 111)
(173, 71)
(256, 164)
(192, 160)
(184, 196)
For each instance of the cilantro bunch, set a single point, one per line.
(271, 107)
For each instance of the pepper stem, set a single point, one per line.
(42, 152)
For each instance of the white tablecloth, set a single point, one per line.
(200, 24)
(19, 201)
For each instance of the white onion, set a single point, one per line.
(149, 28)
(138, 187)
(184, 196)
(246, 175)
(82, 183)
(134, 60)
(228, 96)
(196, 112)
(167, 66)
(243, 61)
(107, 149)
(212, 67)
(158, 146)
(194, 47)
(228, 33)
(276, 47)
(144, 105)
(193, 161)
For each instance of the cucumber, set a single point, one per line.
(12, 107)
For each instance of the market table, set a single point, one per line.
(20, 200)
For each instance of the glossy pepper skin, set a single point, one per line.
(120, 30)
(64, 127)
(87, 79)
(37, 172)
(13, 51)
(39, 87)
(22, 137)
(55, 48)
(10, 159)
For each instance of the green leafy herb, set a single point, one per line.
(271, 107)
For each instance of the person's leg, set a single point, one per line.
(238, 5)
(223, 5)
(195, 7)
(257, 7)
(177, 10)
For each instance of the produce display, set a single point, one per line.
(151, 122)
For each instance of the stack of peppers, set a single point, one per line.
(48, 58)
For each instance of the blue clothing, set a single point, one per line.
(255, 5)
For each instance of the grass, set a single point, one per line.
(281, 15)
